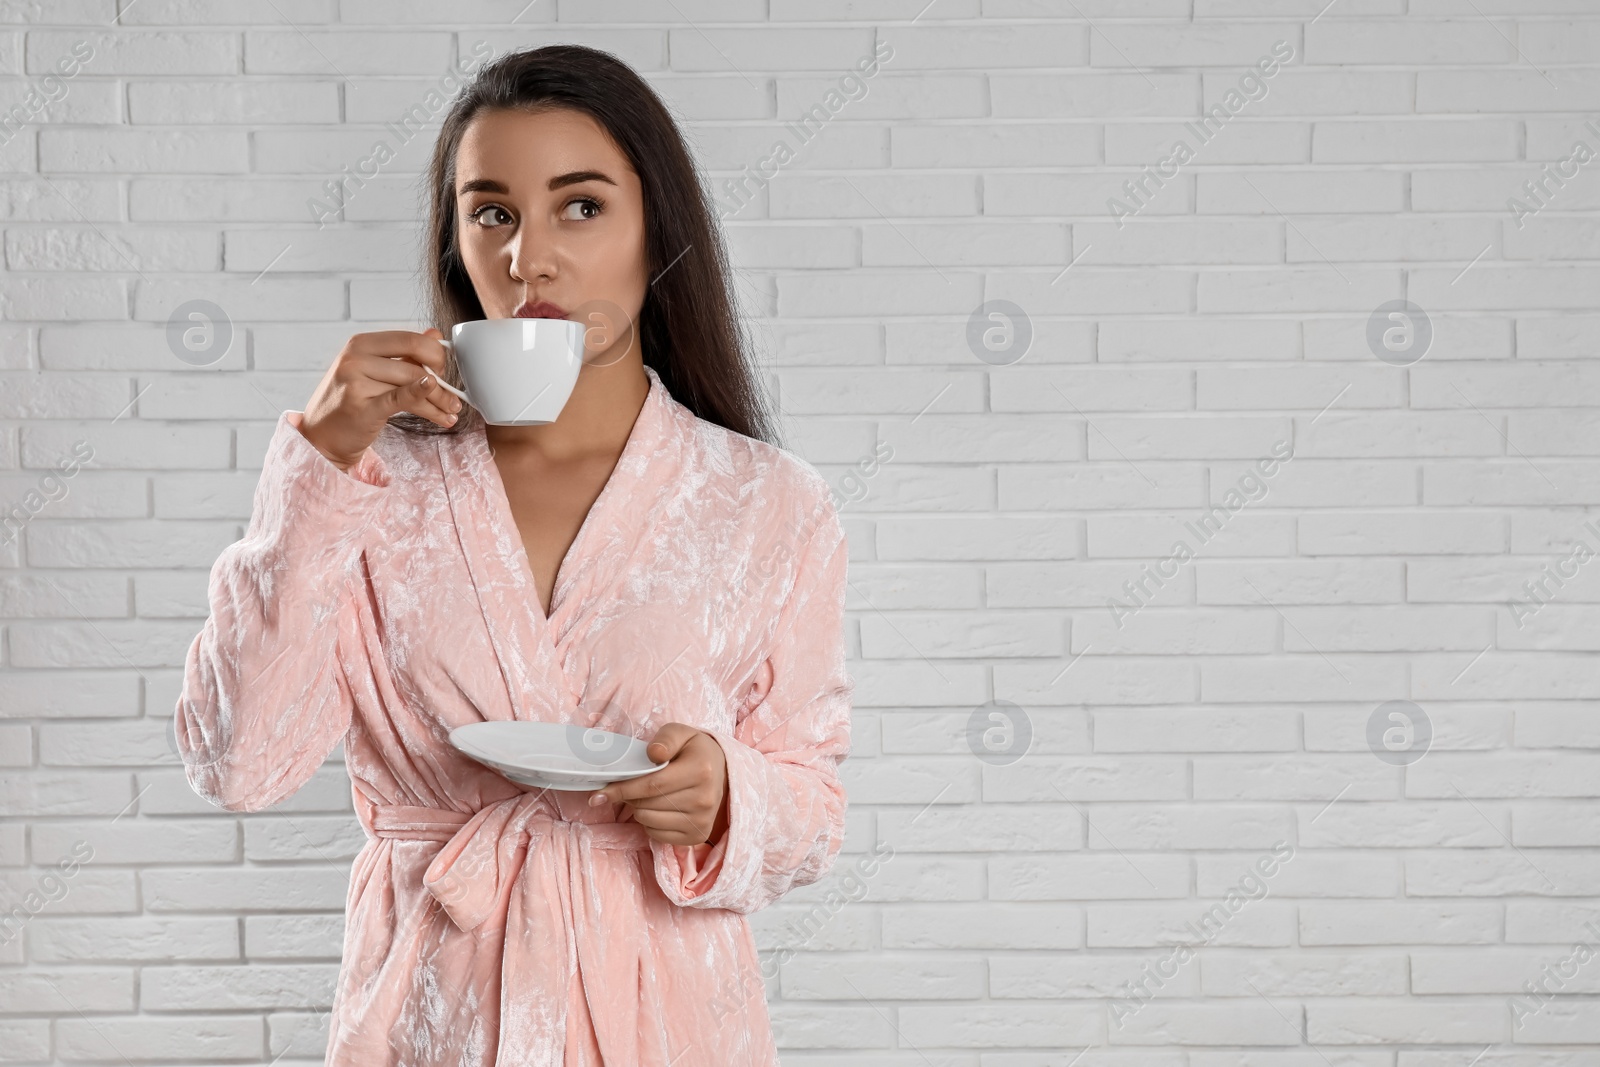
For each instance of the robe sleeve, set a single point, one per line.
(786, 804)
(265, 697)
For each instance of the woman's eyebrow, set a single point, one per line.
(489, 185)
(575, 176)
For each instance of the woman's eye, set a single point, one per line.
(579, 203)
(487, 207)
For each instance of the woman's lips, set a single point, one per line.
(542, 310)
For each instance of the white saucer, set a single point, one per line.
(552, 755)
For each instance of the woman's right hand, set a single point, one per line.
(367, 384)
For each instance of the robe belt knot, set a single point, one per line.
(471, 875)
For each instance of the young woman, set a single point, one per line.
(649, 563)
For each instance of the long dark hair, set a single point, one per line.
(687, 329)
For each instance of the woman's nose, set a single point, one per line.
(533, 258)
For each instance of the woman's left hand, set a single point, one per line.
(685, 802)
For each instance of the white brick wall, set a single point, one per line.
(1169, 750)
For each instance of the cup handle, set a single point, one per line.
(450, 388)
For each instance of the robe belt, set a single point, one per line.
(558, 927)
(468, 875)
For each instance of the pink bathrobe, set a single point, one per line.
(487, 923)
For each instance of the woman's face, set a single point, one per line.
(548, 209)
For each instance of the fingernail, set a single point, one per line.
(597, 800)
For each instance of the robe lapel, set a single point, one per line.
(528, 647)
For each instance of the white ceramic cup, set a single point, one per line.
(517, 372)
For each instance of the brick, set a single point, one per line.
(138, 939)
(1188, 340)
(1295, 192)
(250, 889)
(1295, 91)
(212, 12)
(1094, 95)
(886, 976)
(1409, 922)
(258, 985)
(1358, 1021)
(137, 52)
(297, 52)
(1404, 42)
(1005, 1026)
(294, 936)
(1262, 924)
(160, 1037)
(985, 926)
(1310, 975)
(1415, 140)
(1202, 44)
(1020, 144)
(1018, 976)
(1384, 533)
(890, 94)
(41, 990)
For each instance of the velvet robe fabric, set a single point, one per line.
(487, 922)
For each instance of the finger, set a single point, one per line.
(423, 348)
(673, 778)
(662, 824)
(695, 767)
(392, 369)
(670, 740)
(424, 398)
(685, 767)
(692, 801)
(412, 388)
